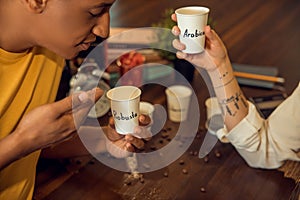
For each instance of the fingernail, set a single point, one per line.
(174, 31)
(83, 96)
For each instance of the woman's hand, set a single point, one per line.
(121, 146)
(215, 54)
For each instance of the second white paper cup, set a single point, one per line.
(212, 107)
(125, 107)
(146, 108)
(178, 101)
(191, 21)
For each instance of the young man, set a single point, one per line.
(36, 36)
(262, 143)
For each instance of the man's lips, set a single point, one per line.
(85, 46)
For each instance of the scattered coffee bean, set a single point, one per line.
(127, 182)
(206, 159)
(153, 147)
(161, 141)
(142, 180)
(169, 129)
(166, 174)
(202, 189)
(91, 162)
(164, 134)
(169, 139)
(164, 130)
(217, 154)
(185, 171)
(181, 162)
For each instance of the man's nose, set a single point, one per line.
(101, 29)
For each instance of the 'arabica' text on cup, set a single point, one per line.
(195, 34)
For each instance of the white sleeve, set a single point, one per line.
(267, 143)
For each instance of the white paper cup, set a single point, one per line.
(146, 108)
(191, 21)
(125, 101)
(178, 101)
(212, 107)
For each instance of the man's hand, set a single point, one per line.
(56, 122)
(121, 146)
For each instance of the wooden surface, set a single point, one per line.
(255, 32)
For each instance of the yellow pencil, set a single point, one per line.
(259, 77)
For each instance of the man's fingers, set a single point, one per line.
(144, 120)
(77, 99)
(88, 97)
(138, 143)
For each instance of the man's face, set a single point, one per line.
(67, 27)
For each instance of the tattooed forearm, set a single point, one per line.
(232, 104)
(225, 84)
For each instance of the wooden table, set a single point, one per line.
(255, 32)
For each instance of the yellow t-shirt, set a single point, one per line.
(27, 80)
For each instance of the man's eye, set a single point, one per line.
(98, 12)
(95, 14)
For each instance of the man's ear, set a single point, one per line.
(36, 6)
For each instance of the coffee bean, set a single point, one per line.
(153, 147)
(202, 189)
(164, 134)
(217, 154)
(166, 174)
(142, 180)
(185, 171)
(127, 182)
(91, 162)
(206, 159)
(181, 162)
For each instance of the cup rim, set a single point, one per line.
(205, 10)
(169, 91)
(148, 104)
(136, 93)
